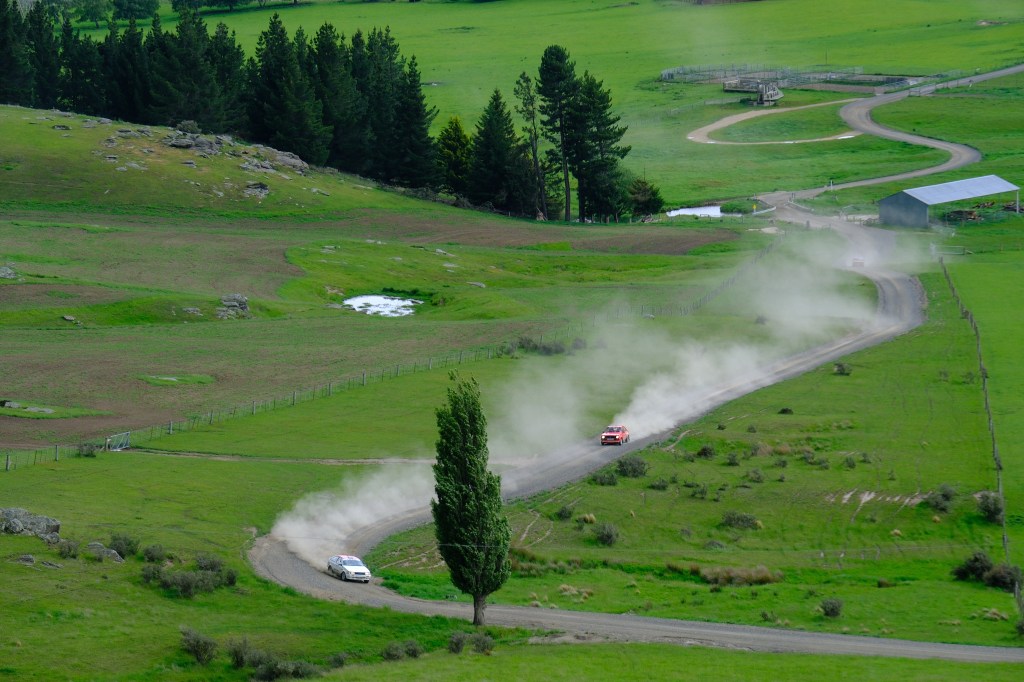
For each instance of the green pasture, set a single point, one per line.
(639, 662)
(39, 411)
(836, 486)
(779, 125)
(628, 45)
(60, 621)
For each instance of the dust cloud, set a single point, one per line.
(792, 300)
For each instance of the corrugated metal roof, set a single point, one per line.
(961, 189)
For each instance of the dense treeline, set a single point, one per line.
(355, 104)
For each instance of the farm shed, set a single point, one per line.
(909, 208)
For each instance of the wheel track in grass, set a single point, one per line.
(900, 309)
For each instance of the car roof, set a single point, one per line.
(345, 556)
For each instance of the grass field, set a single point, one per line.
(511, 35)
(125, 252)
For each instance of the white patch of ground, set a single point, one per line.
(699, 211)
(385, 306)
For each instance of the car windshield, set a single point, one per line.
(614, 429)
(351, 562)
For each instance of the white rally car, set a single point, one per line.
(348, 568)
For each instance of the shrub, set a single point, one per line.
(86, 450)
(151, 573)
(941, 499)
(564, 513)
(274, 670)
(154, 553)
(413, 648)
(732, 459)
(631, 466)
(990, 506)
(238, 652)
(338, 660)
(885, 582)
(67, 549)
(831, 607)
(123, 544)
(606, 534)
(700, 491)
(706, 451)
(457, 642)
(974, 567)
(842, 369)
(605, 478)
(394, 651)
(229, 577)
(660, 484)
(482, 643)
(735, 519)
(199, 646)
(209, 562)
(786, 410)
(758, 575)
(850, 463)
(1002, 576)
(752, 429)
(755, 476)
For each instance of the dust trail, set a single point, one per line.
(320, 522)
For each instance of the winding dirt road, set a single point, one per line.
(899, 310)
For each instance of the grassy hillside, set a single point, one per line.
(125, 252)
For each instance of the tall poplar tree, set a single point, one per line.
(473, 535)
(527, 105)
(557, 85)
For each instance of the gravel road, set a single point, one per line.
(899, 310)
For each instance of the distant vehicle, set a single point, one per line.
(348, 568)
(615, 435)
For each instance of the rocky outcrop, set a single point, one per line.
(18, 521)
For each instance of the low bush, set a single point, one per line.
(607, 534)
(154, 553)
(457, 642)
(660, 484)
(338, 660)
(413, 649)
(732, 459)
(276, 670)
(706, 451)
(151, 573)
(393, 651)
(238, 651)
(842, 369)
(605, 478)
(564, 513)
(199, 646)
(974, 567)
(990, 506)
(727, 575)
(831, 607)
(86, 450)
(67, 549)
(742, 520)
(941, 499)
(209, 562)
(1002, 576)
(631, 466)
(755, 476)
(482, 643)
(123, 544)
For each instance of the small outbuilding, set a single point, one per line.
(909, 208)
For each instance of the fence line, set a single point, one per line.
(550, 342)
(966, 314)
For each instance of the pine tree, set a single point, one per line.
(453, 157)
(496, 159)
(557, 85)
(135, 9)
(644, 198)
(593, 151)
(227, 60)
(473, 535)
(414, 150)
(344, 109)
(127, 75)
(81, 73)
(15, 67)
(283, 110)
(384, 72)
(44, 55)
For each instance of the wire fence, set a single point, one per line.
(550, 343)
(966, 314)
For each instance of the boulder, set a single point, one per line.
(102, 552)
(18, 521)
(7, 272)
